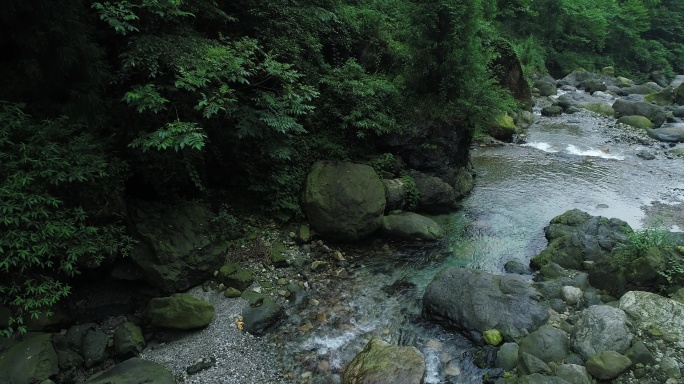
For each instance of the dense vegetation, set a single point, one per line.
(171, 99)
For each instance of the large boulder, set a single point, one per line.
(547, 344)
(343, 201)
(133, 371)
(94, 347)
(30, 361)
(653, 313)
(382, 363)
(474, 301)
(434, 194)
(503, 128)
(411, 226)
(607, 365)
(601, 328)
(656, 114)
(673, 134)
(180, 311)
(636, 121)
(128, 340)
(175, 250)
(507, 70)
(575, 237)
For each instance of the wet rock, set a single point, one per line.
(600, 328)
(382, 363)
(657, 115)
(175, 249)
(180, 311)
(474, 301)
(262, 313)
(607, 365)
(552, 110)
(674, 134)
(646, 155)
(128, 340)
(133, 371)
(343, 201)
(30, 361)
(411, 226)
(670, 367)
(547, 344)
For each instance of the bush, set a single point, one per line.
(58, 207)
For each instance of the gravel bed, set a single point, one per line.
(240, 357)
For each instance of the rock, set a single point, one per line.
(662, 98)
(537, 378)
(180, 311)
(232, 275)
(678, 96)
(75, 334)
(529, 364)
(94, 347)
(507, 356)
(639, 354)
(623, 82)
(435, 195)
(411, 226)
(503, 128)
(678, 111)
(677, 81)
(517, 268)
(636, 121)
(673, 134)
(547, 344)
(652, 312)
(133, 371)
(608, 71)
(552, 110)
(232, 293)
(593, 85)
(201, 365)
(607, 365)
(303, 234)
(573, 374)
(492, 337)
(474, 301)
(462, 180)
(643, 89)
(262, 313)
(571, 295)
(128, 340)
(175, 250)
(343, 201)
(277, 257)
(546, 88)
(657, 115)
(382, 363)
(575, 237)
(600, 328)
(30, 361)
(659, 78)
(395, 194)
(600, 108)
(68, 359)
(508, 71)
(670, 366)
(676, 152)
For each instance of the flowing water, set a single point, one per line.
(573, 161)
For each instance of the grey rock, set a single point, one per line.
(379, 362)
(673, 134)
(538, 378)
(128, 340)
(395, 194)
(600, 328)
(656, 114)
(180, 311)
(474, 301)
(546, 343)
(529, 364)
(507, 356)
(30, 361)
(640, 354)
(435, 195)
(670, 366)
(262, 314)
(573, 374)
(649, 312)
(552, 110)
(94, 347)
(571, 295)
(517, 268)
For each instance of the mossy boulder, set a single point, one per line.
(434, 194)
(180, 311)
(656, 114)
(411, 226)
(343, 201)
(382, 363)
(277, 256)
(503, 128)
(623, 82)
(133, 371)
(546, 88)
(233, 275)
(664, 97)
(600, 108)
(607, 365)
(636, 121)
(128, 340)
(547, 344)
(608, 71)
(552, 110)
(492, 337)
(30, 361)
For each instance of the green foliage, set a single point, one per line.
(225, 225)
(412, 193)
(531, 54)
(638, 242)
(54, 186)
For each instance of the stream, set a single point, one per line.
(579, 161)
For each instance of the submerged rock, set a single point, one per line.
(474, 301)
(382, 363)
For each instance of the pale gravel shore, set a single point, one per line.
(240, 357)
